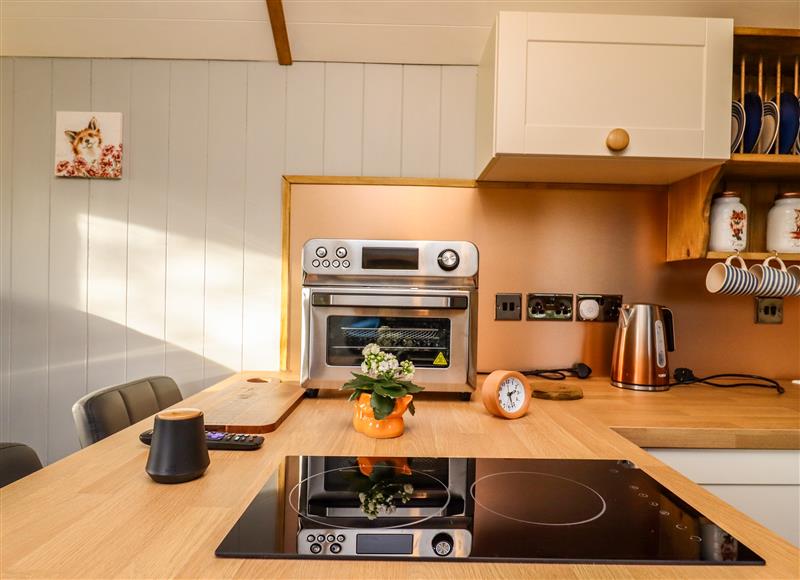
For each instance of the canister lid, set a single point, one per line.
(727, 194)
(788, 195)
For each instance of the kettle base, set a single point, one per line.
(635, 387)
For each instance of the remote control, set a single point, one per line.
(220, 440)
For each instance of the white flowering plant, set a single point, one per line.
(385, 378)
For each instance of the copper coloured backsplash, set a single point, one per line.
(554, 240)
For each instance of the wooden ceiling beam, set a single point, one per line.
(279, 34)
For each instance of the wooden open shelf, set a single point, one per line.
(769, 59)
(689, 208)
(753, 256)
(752, 166)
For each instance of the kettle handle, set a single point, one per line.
(669, 322)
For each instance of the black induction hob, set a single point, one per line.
(465, 509)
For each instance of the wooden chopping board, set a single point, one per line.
(252, 406)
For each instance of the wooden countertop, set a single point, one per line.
(97, 514)
(696, 416)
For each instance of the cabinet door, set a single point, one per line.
(564, 81)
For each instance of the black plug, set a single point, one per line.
(684, 375)
(581, 370)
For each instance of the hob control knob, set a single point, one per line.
(448, 260)
(442, 544)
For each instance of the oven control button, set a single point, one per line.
(340, 538)
(448, 260)
(442, 544)
(335, 263)
(335, 548)
(315, 548)
(321, 538)
(315, 263)
(345, 263)
(326, 263)
(321, 252)
(331, 538)
(310, 538)
(341, 252)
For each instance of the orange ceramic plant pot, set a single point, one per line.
(365, 422)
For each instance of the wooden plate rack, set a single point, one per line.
(767, 64)
(766, 60)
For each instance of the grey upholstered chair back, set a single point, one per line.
(104, 412)
(17, 461)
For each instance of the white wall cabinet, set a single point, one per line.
(552, 88)
(763, 483)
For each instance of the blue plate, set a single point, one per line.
(753, 109)
(790, 122)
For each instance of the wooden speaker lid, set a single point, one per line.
(180, 414)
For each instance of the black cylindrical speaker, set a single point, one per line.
(178, 451)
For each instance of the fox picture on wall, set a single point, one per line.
(89, 145)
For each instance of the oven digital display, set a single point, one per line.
(390, 258)
(384, 543)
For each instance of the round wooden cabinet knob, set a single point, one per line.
(617, 139)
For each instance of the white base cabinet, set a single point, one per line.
(762, 483)
(567, 97)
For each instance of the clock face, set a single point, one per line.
(511, 395)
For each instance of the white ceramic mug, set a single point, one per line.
(794, 272)
(773, 281)
(725, 278)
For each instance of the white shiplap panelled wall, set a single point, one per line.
(175, 269)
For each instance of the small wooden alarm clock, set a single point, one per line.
(506, 394)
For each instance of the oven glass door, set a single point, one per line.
(423, 341)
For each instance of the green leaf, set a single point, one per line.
(411, 408)
(381, 405)
(411, 387)
(389, 391)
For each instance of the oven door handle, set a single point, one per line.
(388, 301)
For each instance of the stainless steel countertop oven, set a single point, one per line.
(416, 299)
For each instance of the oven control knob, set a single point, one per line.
(442, 544)
(321, 252)
(315, 263)
(326, 263)
(448, 260)
(345, 263)
(341, 252)
(335, 263)
(335, 548)
(315, 548)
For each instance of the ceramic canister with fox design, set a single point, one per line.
(728, 223)
(783, 224)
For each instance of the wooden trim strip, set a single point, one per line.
(279, 34)
(754, 31)
(286, 219)
(466, 183)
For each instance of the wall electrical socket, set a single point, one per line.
(769, 310)
(508, 307)
(598, 307)
(550, 307)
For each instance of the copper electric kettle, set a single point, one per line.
(645, 334)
